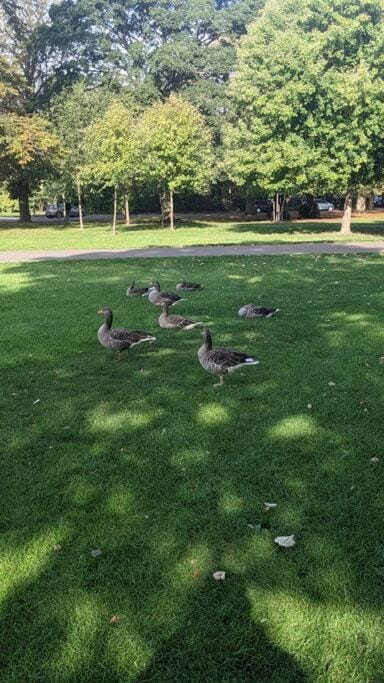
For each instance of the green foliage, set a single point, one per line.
(175, 147)
(110, 147)
(308, 98)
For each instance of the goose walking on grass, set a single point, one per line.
(252, 311)
(187, 286)
(220, 361)
(159, 298)
(119, 339)
(137, 291)
(176, 322)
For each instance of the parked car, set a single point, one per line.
(263, 206)
(378, 201)
(57, 211)
(324, 205)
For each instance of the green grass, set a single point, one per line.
(189, 233)
(145, 460)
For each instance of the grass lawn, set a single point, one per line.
(149, 463)
(188, 233)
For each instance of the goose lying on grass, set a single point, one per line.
(221, 361)
(188, 286)
(252, 311)
(159, 298)
(119, 339)
(176, 322)
(137, 291)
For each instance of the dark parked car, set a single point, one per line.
(264, 206)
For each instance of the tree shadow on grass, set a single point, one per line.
(145, 460)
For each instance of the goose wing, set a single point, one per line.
(226, 358)
(181, 322)
(129, 337)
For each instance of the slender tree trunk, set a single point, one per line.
(126, 201)
(114, 210)
(371, 201)
(64, 207)
(347, 216)
(24, 211)
(360, 202)
(276, 208)
(171, 212)
(164, 205)
(249, 203)
(80, 205)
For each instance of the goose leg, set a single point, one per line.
(220, 384)
(119, 357)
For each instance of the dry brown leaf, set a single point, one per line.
(115, 619)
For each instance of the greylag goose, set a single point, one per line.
(175, 322)
(187, 286)
(159, 298)
(221, 361)
(252, 311)
(119, 339)
(137, 291)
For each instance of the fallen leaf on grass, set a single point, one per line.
(37, 401)
(309, 406)
(115, 619)
(219, 576)
(197, 573)
(270, 506)
(331, 384)
(57, 547)
(285, 541)
(375, 459)
(381, 359)
(96, 553)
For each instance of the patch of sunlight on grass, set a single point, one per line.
(27, 562)
(230, 503)
(212, 414)
(101, 419)
(255, 550)
(189, 456)
(294, 427)
(330, 636)
(120, 502)
(82, 492)
(84, 621)
(195, 562)
(128, 651)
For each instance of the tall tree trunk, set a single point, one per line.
(171, 212)
(126, 204)
(114, 210)
(371, 201)
(360, 202)
(249, 203)
(164, 204)
(347, 216)
(276, 208)
(64, 207)
(24, 211)
(80, 205)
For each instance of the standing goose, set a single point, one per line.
(252, 311)
(137, 291)
(221, 361)
(159, 298)
(187, 286)
(175, 322)
(119, 339)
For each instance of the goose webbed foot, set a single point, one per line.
(119, 357)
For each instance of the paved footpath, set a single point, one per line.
(167, 252)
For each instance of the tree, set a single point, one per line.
(28, 149)
(155, 48)
(36, 63)
(308, 99)
(111, 153)
(71, 115)
(175, 150)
